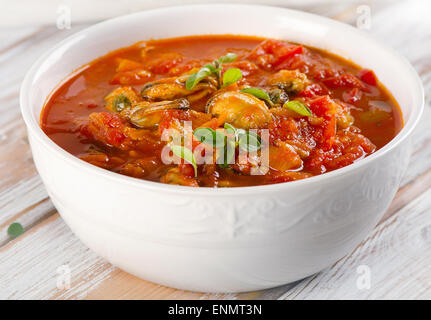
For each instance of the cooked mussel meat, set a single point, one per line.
(240, 109)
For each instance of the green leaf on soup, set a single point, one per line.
(210, 137)
(298, 107)
(15, 229)
(210, 67)
(231, 76)
(197, 77)
(186, 154)
(258, 93)
(229, 57)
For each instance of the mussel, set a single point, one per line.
(290, 81)
(174, 88)
(121, 98)
(147, 115)
(240, 109)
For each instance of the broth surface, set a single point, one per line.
(113, 111)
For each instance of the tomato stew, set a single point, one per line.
(243, 100)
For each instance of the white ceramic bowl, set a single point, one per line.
(221, 240)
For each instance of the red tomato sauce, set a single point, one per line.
(318, 111)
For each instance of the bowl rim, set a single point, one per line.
(34, 129)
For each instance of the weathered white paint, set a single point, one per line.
(23, 198)
(397, 253)
(29, 271)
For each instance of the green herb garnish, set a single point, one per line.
(258, 93)
(298, 107)
(248, 141)
(231, 76)
(197, 77)
(15, 229)
(186, 154)
(210, 69)
(229, 57)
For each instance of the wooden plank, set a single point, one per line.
(408, 193)
(15, 60)
(30, 271)
(19, 36)
(29, 268)
(23, 198)
(413, 40)
(397, 254)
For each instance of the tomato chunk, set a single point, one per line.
(314, 89)
(352, 96)
(107, 127)
(272, 53)
(345, 80)
(368, 77)
(164, 63)
(132, 77)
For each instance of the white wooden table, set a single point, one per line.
(34, 265)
